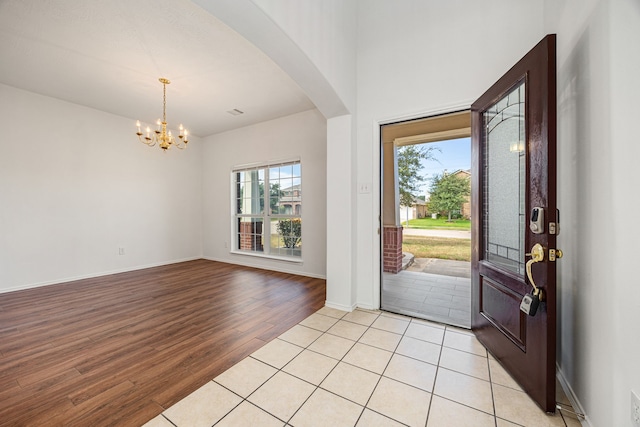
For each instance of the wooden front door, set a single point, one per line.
(514, 172)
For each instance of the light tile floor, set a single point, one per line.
(364, 368)
(445, 299)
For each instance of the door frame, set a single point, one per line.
(377, 219)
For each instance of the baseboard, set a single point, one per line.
(368, 307)
(573, 399)
(342, 307)
(269, 268)
(94, 275)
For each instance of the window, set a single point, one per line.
(269, 222)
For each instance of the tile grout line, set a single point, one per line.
(273, 375)
(394, 352)
(326, 376)
(301, 379)
(170, 422)
(370, 326)
(435, 377)
(379, 314)
(383, 371)
(463, 373)
(493, 400)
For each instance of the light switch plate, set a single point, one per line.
(364, 188)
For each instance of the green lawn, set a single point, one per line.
(439, 224)
(437, 247)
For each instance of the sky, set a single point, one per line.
(455, 154)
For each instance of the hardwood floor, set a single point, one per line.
(119, 349)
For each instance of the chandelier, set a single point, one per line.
(160, 135)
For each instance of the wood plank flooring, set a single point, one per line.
(119, 349)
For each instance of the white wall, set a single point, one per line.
(76, 185)
(326, 30)
(417, 58)
(599, 307)
(319, 54)
(625, 88)
(341, 242)
(301, 136)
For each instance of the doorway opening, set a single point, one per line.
(426, 243)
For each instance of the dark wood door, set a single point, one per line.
(513, 172)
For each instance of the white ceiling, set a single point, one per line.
(109, 55)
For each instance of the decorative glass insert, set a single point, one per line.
(504, 172)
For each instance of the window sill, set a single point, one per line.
(273, 257)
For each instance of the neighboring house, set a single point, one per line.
(465, 210)
(290, 201)
(418, 209)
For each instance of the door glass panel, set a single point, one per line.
(504, 172)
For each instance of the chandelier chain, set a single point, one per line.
(164, 102)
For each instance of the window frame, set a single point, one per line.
(266, 216)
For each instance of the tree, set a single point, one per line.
(448, 193)
(291, 231)
(409, 166)
(275, 193)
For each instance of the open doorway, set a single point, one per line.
(426, 167)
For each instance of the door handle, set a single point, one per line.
(537, 255)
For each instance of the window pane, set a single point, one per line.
(251, 199)
(273, 205)
(250, 234)
(504, 168)
(274, 173)
(286, 236)
(286, 171)
(296, 170)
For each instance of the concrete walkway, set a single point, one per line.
(451, 234)
(430, 288)
(444, 267)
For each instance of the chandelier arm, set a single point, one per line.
(150, 142)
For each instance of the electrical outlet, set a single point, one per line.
(226, 245)
(120, 251)
(635, 409)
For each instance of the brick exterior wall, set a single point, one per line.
(251, 236)
(392, 249)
